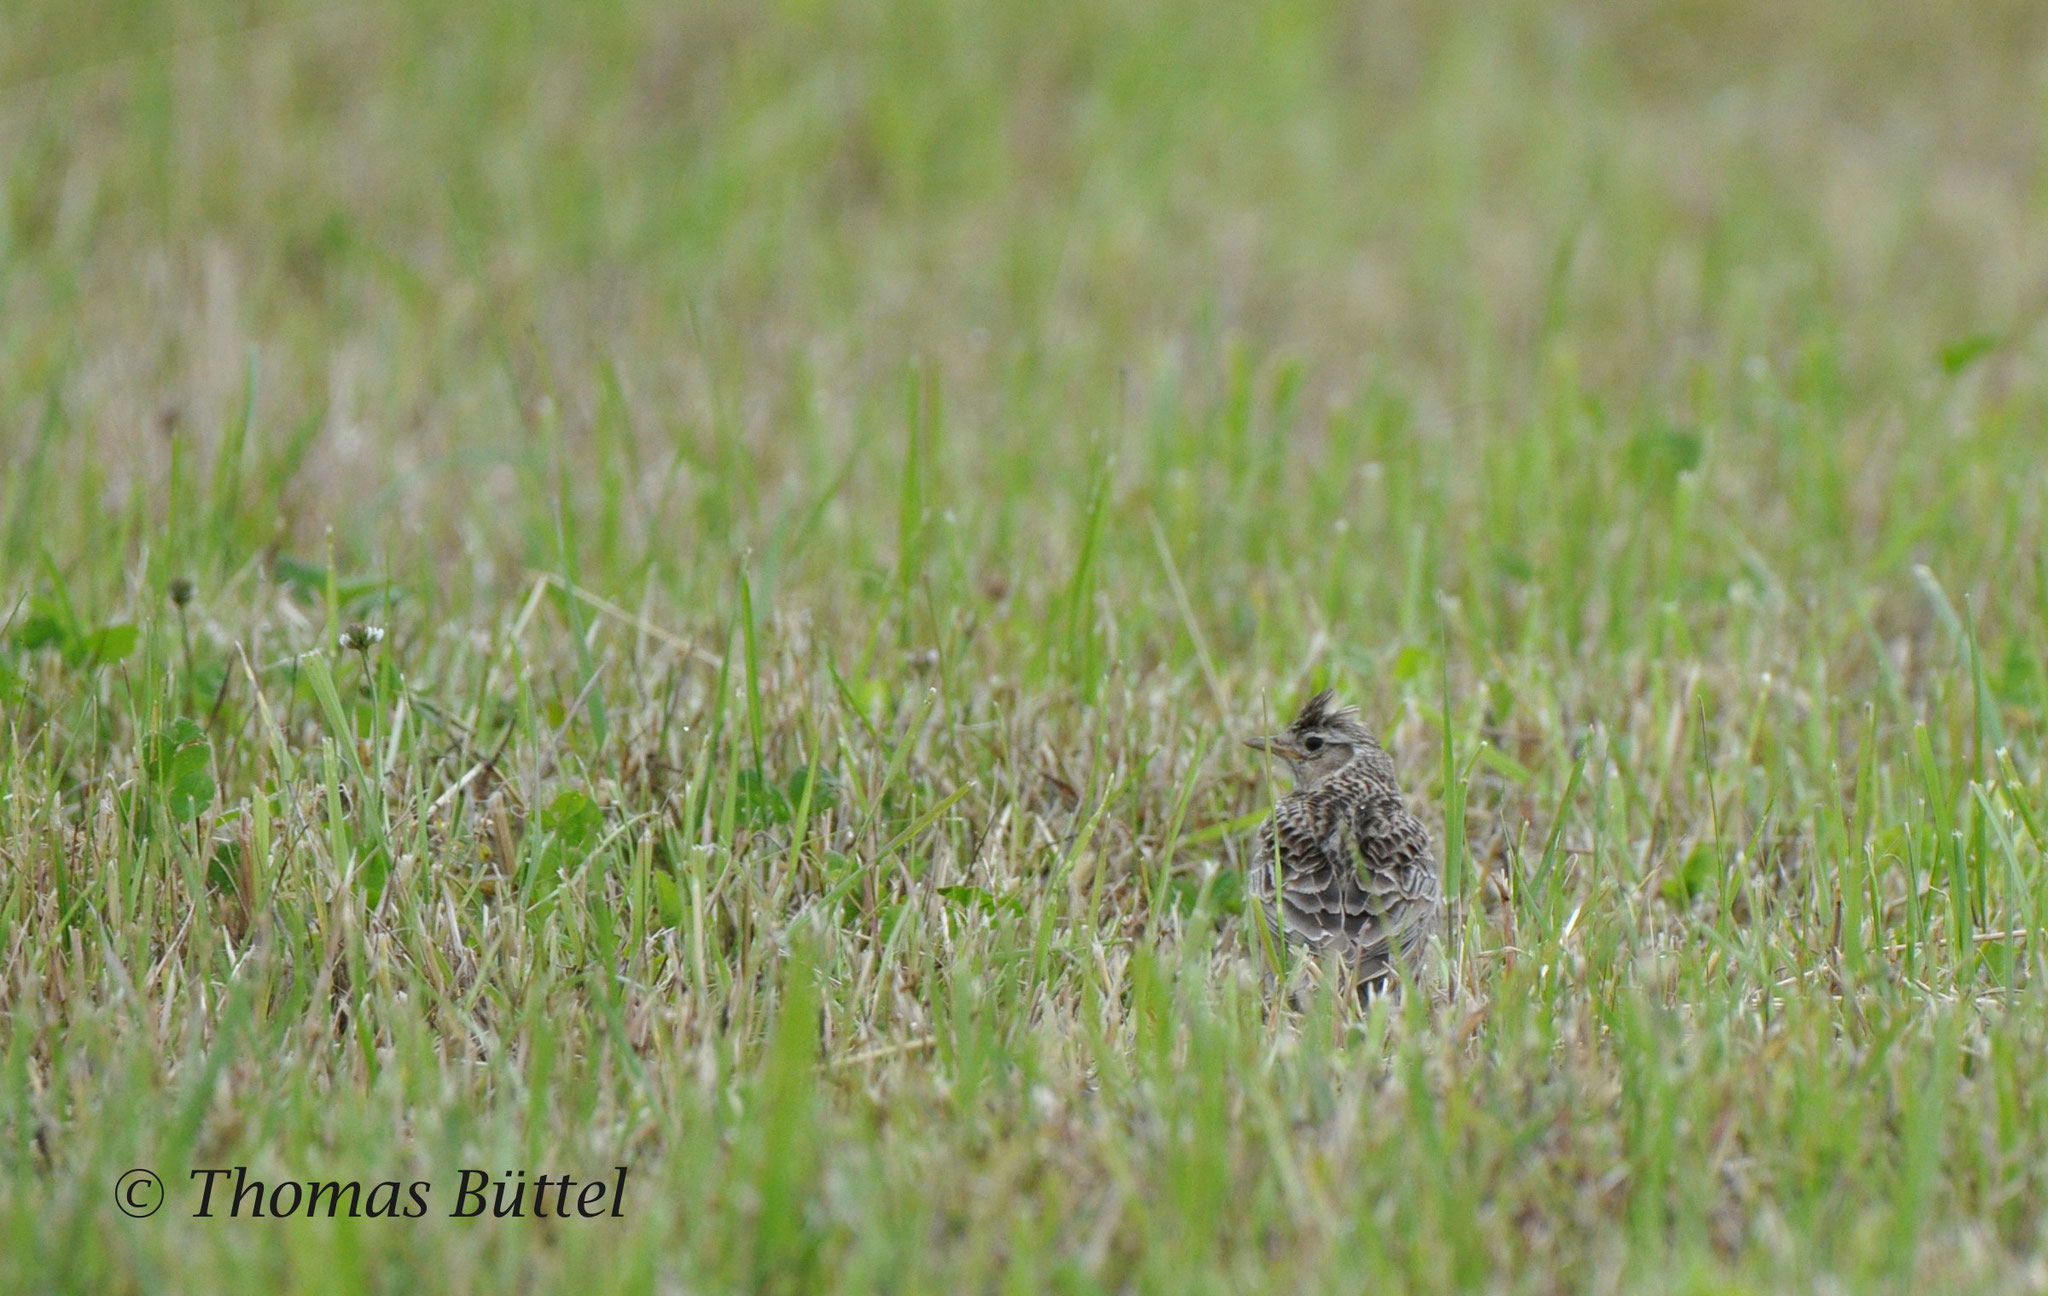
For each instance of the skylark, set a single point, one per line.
(1356, 876)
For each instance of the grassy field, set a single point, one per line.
(675, 587)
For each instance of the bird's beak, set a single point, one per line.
(1276, 745)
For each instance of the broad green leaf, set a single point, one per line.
(575, 820)
(105, 645)
(39, 630)
(974, 897)
(821, 784)
(1964, 352)
(309, 581)
(1410, 663)
(668, 901)
(177, 761)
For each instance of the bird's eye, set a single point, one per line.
(1312, 743)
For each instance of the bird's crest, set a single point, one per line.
(1321, 713)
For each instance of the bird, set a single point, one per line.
(1342, 865)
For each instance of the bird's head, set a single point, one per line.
(1323, 739)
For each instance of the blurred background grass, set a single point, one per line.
(672, 265)
(1639, 407)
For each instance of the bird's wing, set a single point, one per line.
(1395, 872)
(1355, 873)
(1392, 849)
(1303, 843)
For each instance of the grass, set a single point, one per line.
(835, 481)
